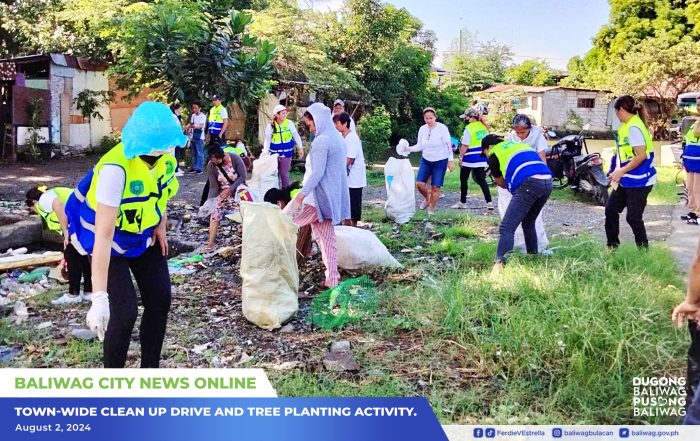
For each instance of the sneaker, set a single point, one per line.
(489, 205)
(442, 196)
(179, 173)
(689, 216)
(67, 299)
(424, 204)
(459, 206)
(87, 296)
(692, 221)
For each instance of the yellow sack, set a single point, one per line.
(268, 265)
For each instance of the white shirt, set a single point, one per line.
(534, 139)
(199, 120)
(358, 170)
(46, 200)
(435, 143)
(268, 136)
(636, 137)
(224, 113)
(308, 200)
(110, 186)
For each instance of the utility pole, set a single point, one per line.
(460, 35)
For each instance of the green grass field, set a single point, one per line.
(551, 340)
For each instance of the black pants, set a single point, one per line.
(151, 273)
(693, 374)
(479, 175)
(78, 269)
(356, 204)
(635, 200)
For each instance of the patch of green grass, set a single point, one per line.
(11, 334)
(304, 384)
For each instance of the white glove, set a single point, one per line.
(402, 148)
(98, 315)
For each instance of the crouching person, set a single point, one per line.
(117, 214)
(516, 167)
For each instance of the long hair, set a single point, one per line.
(631, 105)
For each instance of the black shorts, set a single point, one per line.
(355, 203)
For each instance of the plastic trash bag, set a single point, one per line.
(352, 300)
(504, 197)
(264, 176)
(358, 248)
(400, 190)
(269, 273)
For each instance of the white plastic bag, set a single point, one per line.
(358, 248)
(269, 273)
(504, 197)
(400, 190)
(264, 176)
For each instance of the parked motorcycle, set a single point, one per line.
(580, 172)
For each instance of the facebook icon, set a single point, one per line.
(490, 432)
(624, 432)
(556, 432)
(478, 432)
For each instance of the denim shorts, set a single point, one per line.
(432, 169)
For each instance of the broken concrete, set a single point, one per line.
(18, 231)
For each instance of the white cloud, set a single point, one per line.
(321, 5)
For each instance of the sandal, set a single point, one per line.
(692, 221)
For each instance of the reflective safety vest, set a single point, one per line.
(240, 151)
(294, 193)
(691, 152)
(472, 157)
(645, 174)
(49, 217)
(216, 122)
(144, 199)
(282, 141)
(518, 161)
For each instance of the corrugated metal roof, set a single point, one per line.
(533, 89)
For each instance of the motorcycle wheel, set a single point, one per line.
(560, 181)
(602, 195)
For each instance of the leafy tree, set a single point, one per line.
(479, 69)
(188, 53)
(503, 107)
(531, 73)
(375, 129)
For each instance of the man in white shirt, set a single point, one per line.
(357, 171)
(338, 108)
(198, 122)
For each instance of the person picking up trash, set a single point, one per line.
(50, 205)
(117, 214)
(516, 167)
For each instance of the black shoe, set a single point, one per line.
(692, 221)
(689, 216)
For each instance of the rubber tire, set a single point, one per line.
(560, 183)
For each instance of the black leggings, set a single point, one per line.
(635, 200)
(479, 175)
(151, 273)
(78, 268)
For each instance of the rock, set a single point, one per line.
(245, 358)
(199, 349)
(340, 346)
(44, 325)
(340, 362)
(83, 334)
(287, 328)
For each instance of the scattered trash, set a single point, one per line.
(352, 300)
(83, 334)
(44, 325)
(8, 353)
(34, 275)
(21, 312)
(200, 349)
(245, 358)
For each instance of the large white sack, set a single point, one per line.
(504, 198)
(265, 175)
(358, 248)
(400, 190)
(269, 273)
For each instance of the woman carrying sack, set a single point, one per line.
(117, 214)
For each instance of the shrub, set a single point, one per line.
(375, 130)
(109, 141)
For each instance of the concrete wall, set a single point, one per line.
(535, 115)
(559, 102)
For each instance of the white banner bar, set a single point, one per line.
(573, 433)
(153, 383)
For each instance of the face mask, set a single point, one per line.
(149, 159)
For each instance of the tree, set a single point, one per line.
(476, 71)
(375, 129)
(531, 73)
(187, 52)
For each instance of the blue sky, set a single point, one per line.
(552, 29)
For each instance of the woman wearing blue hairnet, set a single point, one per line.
(117, 214)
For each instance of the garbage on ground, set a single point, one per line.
(27, 260)
(400, 190)
(358, 248)
(269, 272)
(352, 300)
(83, 334)
(20, 312)
(34, 275)
(185, 266)
(44, 325)
(11, 252)
(7, 353)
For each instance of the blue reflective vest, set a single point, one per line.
(691, 152)
(518, 162)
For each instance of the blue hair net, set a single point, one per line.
(152, 126)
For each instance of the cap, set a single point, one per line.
(216, 96)
(338, 101)
(489, 141)
(278, 108)
(470, 113)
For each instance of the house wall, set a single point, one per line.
(559, 102)
(534, 114)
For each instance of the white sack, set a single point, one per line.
(264, 176)
(504, 197)
(358, 248)
(400, 190)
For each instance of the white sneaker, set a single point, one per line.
(459, 206)
(67, 299)
(442, 196)
(489, 205)
(179, 173)
(87, 296)
(424, 204)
